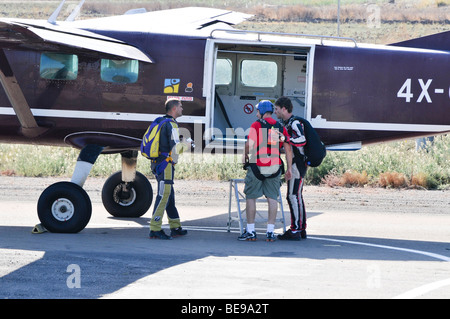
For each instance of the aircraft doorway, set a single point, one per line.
(242, 78)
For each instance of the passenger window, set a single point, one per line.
(258, 73)
(119, 71)
(224, 72)
(58, 66)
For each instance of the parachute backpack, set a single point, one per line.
(150, 140)
(315, 150)
(271, 139)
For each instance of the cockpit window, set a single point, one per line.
(58, 66)
(119, 71)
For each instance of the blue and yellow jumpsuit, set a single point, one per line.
(163, 168)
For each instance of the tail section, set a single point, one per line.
(438, 41)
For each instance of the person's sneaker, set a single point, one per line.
(159, 234)
(289, 235)
(270, 236)
(303, 234)
(177, 232)
(248, 236)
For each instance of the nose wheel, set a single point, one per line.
(64, 207)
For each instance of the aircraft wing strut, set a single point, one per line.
(15, 95)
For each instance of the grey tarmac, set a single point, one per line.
(362, 243)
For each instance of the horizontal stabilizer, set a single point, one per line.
(439, 41)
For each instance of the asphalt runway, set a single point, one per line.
(348, 254)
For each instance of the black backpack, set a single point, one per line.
(315, 150)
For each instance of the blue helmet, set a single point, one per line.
(264, 106)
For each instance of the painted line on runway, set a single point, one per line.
(236, 230)
(414, 251)
(416, 292)
(422, 290)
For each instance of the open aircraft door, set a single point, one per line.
(239, 74)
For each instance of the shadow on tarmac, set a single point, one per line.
(111, 258)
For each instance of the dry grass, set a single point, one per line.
(353, 178)
(350, 178)
(331, 180)
(410, 11)
(392, 165)
(420, 180)
(392, 180)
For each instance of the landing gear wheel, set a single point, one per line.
(127, 199)
(64, 207)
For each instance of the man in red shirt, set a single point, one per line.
(262, 152)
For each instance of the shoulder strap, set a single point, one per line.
(265, 138)
(262, 121)
(165, 120)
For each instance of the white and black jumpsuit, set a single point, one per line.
(294, 197)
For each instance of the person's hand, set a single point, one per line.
(191, 141)
(288, 174)
(245, 158)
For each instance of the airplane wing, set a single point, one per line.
(80, 36)
(194, 21)
(40, 35)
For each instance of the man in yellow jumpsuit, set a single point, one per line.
(163, 168)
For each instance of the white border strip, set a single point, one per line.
(92, 115)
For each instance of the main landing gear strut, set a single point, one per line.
(65, 207)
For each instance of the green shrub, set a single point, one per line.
(395, 164)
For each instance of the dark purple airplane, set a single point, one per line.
(97, 84)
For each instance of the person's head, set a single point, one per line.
(283, 108)
(265, 108)
(174, 108)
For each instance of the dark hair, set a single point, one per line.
(284, 102)
(171, 103)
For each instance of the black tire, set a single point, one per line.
(64, 207)
(134, 204)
